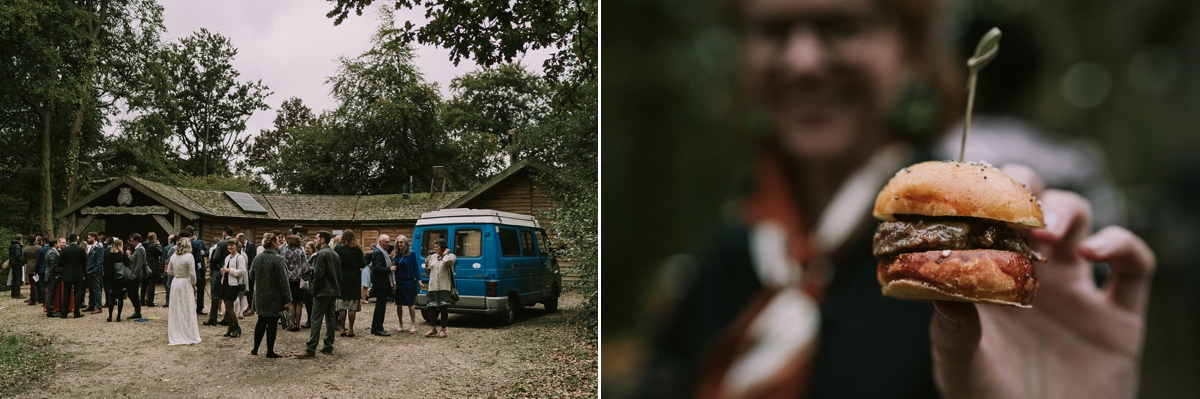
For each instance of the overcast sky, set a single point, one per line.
(292, 47)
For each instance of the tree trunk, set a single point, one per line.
(73, 148)
(46, 215)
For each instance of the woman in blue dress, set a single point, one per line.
(405, 263)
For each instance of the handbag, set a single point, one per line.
(453, 287)
(286, 317)
(124, 274)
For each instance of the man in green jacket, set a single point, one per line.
(325, 282)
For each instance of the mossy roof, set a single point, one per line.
(301, 207)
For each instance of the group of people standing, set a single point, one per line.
(279, 279)
(59, 270)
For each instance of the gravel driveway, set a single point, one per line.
(541, 355)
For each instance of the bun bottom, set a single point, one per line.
(978, 275)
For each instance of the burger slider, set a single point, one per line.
(956, 231)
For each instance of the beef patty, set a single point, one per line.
(918, 233)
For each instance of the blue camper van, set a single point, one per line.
(504, 261)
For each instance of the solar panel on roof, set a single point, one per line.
(246, 202)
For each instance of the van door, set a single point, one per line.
(535, 272)
(512, 270)
(469, 270)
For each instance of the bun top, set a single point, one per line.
(958, 189)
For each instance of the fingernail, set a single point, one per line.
(947, 322)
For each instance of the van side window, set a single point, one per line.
(543, 245)
(527, 245)
(509, 244)
(431, 236)
(468, 243)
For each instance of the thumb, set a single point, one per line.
(955, 333)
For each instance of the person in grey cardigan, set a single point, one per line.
(271, 293)
(326, 281)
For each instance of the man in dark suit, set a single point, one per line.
(381, 283)
(16, 264)
(251, 250)
(199, 252)
(154, 257)
(220, 252)
(54, 290)
(95, 267)
(74, 265)
(47, 244)
(141, 270)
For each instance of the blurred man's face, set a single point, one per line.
(828, 71)
(62, 242)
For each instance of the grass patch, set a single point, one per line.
(25, 360)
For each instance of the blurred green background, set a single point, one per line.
(678, 134)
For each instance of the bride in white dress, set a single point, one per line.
(182, 328)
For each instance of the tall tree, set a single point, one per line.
(385, 128)
(121, 35)
(194, 95)
(491, 106)
(43, 52)
(492, 32)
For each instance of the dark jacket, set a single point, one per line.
(327, 273)
(381, 276)
(154, 257)
(111, 259)
(250, 250)
(271, 288)
(406, 267)
(95, 260)
(220, 253)
(41, 259)
(74, 263)
(352, 263)
(15, 258)
(199, 251)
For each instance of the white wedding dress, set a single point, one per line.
(182, 327)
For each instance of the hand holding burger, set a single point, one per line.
(1079, 341)
(957, 231)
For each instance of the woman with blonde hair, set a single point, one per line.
(182, 327)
